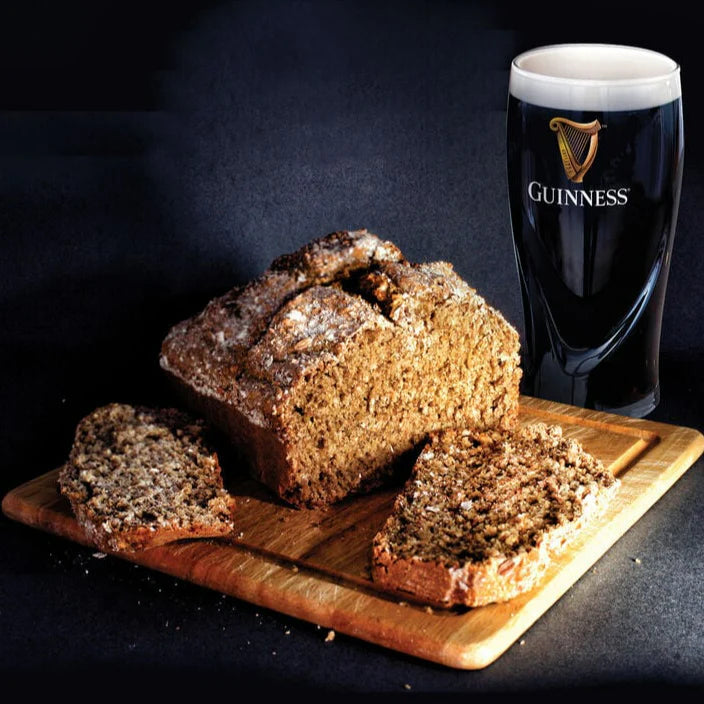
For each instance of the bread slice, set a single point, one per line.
(139, 477)
(341, 358)
(483, 514)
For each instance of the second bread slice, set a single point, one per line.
(483, 514)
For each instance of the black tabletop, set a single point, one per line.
(151, 158)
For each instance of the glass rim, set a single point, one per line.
(589, 82)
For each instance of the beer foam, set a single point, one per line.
(603, 77)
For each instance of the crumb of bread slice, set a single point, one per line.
(484, 514)
(138, 477)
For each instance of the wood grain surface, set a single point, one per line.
(314, 565)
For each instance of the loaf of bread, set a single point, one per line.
(484, 514)
(341, 358)
(138, 477)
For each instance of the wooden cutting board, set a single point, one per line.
(314, 565)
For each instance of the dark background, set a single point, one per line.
(153, 155)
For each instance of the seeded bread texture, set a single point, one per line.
(138, 478)
(340, 359)
(483, 514)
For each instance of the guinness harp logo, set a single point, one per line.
(577, 142)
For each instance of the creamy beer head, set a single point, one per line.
(594, 77)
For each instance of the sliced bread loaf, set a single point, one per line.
(483, 514)
(339, 359)
(138, 477)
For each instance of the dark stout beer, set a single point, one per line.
(593, 196)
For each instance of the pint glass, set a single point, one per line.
(595, 147)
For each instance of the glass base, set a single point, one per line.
(638, 409)
(554, 384)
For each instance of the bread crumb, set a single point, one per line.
(637, 560)
(429, 610)
(294, 568)
(287, 632)
(522, 642)
(330, 637)
(407, 686)
(99, 555)
(403, 603)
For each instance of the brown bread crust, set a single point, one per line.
(483, 515)
(339, 359)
